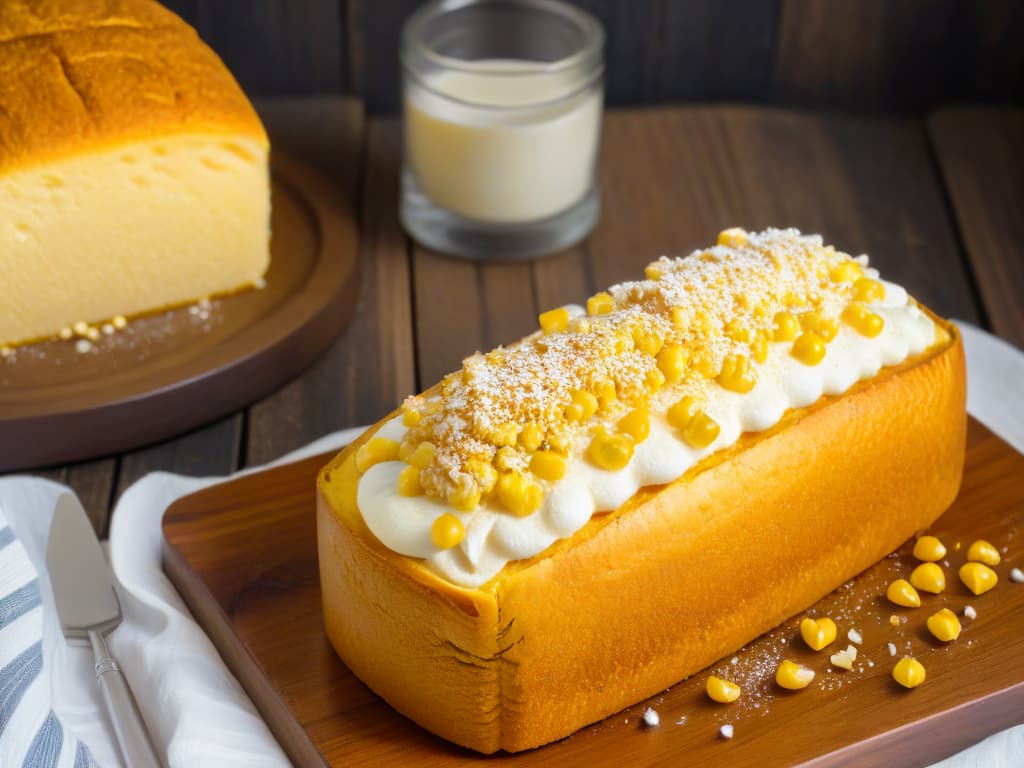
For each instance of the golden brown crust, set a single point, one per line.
(707, 563)
(80, 76)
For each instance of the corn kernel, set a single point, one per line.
(759, 348)
(376, 450)
(636, 424)
(701, 431)
(978, 577)
(484, 473)
(785, 326)
(447, 531)
(825, 327)
(548, 465)
(531, 437)
(680, 413)
(867, 290)
(844, 659)
(409, 482)
(809, 348)
(606, 395)
(654, 380)
(845, 272)
(672, 362)
(928, 577)
(600, 304)
(554, 320)
(411, 417)
(817, 633)
(680, 320)
(863, 320)
(573, 412)
(721, 690)
(422, 456)
(902, 592)
(908, 672)
(653, 271)
(738, 331)
(944, 625)
(928, 549)
(518, 494)
(611, 452)
(983, 552)
(648, 342)
(792, 676)
(735, 237)
(507, 459)
(465, 497)
(737, 375)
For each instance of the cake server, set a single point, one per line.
(87, 608)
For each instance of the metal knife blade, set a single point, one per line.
(83, 584)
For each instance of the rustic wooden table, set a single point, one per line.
(938, 203)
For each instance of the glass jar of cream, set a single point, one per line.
(502, 103)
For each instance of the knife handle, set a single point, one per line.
(132, 737)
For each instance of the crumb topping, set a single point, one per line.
(703, 318)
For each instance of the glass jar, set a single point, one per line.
(502, 103)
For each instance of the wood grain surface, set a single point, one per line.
(981, 155)
(243, 554)
(179, 368)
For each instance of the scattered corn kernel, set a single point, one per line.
(654, 271)
(944, 625)
(636, 424)
(606, 396)
(411, 417)
(983, 552)
(611, 452)
(792, 676)
(737, 375)
(680, 321)
(902, 592)
(531, 437)
(600, 304)
(739, 331)
(554, 320)
(785, 326)
(672, 362)
(867, 290)
(573, 412)
(844, 659)
(735, 237)
(908, 672)
(845, 272)
(929, 549)
(548, 465)
(409, 482)
(721, 690)
(978, 577)
(483, 472)
(809, 348)
(701, 431)
(759, 348)
(855, 637)
(374, 451)
(680, 413)
(447, 531)
(648, 342)
(654, 380)
(863, 320)
(518, 494)
(928, 577)
(586, 401)
(818, 633)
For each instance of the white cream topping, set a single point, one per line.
(495, 537)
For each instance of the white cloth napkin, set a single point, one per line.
(196, 710)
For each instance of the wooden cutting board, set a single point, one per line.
(243, 555)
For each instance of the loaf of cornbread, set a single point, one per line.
(577, 521)
(133, 170)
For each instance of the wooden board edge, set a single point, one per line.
(293, 738)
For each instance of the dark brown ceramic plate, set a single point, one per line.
(174, 370)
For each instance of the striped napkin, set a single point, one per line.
(197, 712)
(30, 734)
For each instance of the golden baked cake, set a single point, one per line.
(572, 523)
(133, 170)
